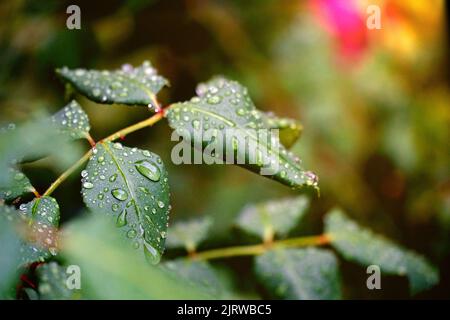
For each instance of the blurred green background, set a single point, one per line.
(375, 104)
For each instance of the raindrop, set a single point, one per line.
(113, 177)
(148, 170)
(122, 219)
(214, 100)
(119, 194)
(88, 185)
(151, 254)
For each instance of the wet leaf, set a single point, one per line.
(188, 234)
(304, 274)
(363, 246)
(93, 245)
(42, 219)
(130, 185)
(276, 217)
(18, 185)
(72, 121)
(53, 283)
(223, 120)
(128, 85)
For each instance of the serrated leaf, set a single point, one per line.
(10, 244)
(128, 85)
(276, 217)
(201, 275)
(290, 129)
(42, 218)
(18, 185)
(72, 121)
(188, 234)
(112, 270)
(130, 185)
(304, 274)
(363, 246)
(53, 283)
(224, 109)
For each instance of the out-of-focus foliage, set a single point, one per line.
(374, 106)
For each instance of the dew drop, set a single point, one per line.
(214, 100)
(148, 170)
(161, 204)
(119, 194)
(113, 177)
(131, 234)
(122, 219)
(88, 185)
(151, 254)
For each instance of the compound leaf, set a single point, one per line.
(304, 274)
(131, 185)
(268, 218)
(72, 121)
(188, 234)
(128, 85)
(362, 246)
(223, 120)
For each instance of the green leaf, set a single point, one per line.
(130, 185)
(363, 246)
(10, 256)
(224, 109)
(188, 234)
(201, 275)
(290, 129)
(72, 121)
(268, 218)
(112, 270)
(304, 274)
(128, 85)
(42, 217)
(53, 283)
(18, 185)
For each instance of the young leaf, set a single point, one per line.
(366, 248)
(128, 85)
(188, 234)
(10, 244)
(53, 283)
(201, 275)
(42, 218)
(112, 270)
(290, 129)
(237, 131)
(304, 274)
(131, 185)
(18, 185)
(72, 121)
(273, 217)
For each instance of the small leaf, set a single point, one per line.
(42, 217)
(273, 217)
(18, 185)
(304, 274)
(72, 121)
(188, 234)
(363, 246)
(112, 270)
(201, 275)
(237, 132)
(53, 283)
(128, 85)
(132, 186)
(290, 129)
(10, 256)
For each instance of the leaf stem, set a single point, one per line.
(261, 248)
(119, 134)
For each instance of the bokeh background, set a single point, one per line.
(375, 105)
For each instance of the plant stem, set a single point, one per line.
(261, 248)
(119, 134)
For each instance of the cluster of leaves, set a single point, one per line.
(130, 186)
